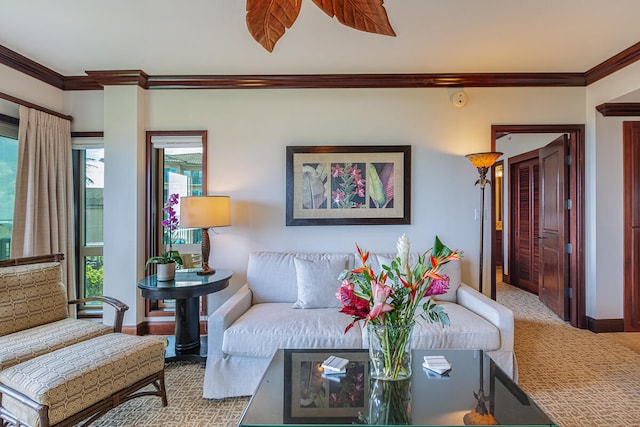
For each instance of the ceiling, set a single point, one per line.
(210, 37)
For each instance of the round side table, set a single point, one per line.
(186, 289)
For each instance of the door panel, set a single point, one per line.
(553, 226)
(525, 187)
(632, 226)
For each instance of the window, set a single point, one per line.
(176, 163)
(8, 168)
(88, 161)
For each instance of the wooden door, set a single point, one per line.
(524, 208)
(554, 226)
(632, 226)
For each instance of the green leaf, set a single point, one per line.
(376, 189)
(313, 189)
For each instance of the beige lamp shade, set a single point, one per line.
(205, 211)
(483, 160)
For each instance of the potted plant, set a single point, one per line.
(167, 262)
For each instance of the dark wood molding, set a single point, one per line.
(619, 109)
(613, 64)
(95, 80)
(134, 329)
(87, 134)
(159, 328)
(34, 106)
(119, 77)
(81, 83)
(29, 67)
(338, 81)
(605, 325)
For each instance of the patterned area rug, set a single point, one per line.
(186, 407)
(578, 378)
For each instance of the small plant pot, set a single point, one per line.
(166, 272)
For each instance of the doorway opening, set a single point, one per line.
(559, 257)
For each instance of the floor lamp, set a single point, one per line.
(205, 212)
(482, 161)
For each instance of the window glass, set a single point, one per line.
(183, 175)
(89, 165)
(8, 164)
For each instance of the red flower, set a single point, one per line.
(353, 305)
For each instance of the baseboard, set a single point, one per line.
(605, 325)
(133, 329)
(158, 328)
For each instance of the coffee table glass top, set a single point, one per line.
(294, 391)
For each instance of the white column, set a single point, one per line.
(124, 194)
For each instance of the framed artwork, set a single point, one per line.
(348, 185)
(312, 397)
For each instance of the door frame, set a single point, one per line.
(631, 267)
(577, 306)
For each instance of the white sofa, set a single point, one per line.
(264, 315)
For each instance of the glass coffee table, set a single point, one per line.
(295, 391)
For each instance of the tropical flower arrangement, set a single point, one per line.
(388, 302)
(169, 225)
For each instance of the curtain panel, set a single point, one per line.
(43, 215)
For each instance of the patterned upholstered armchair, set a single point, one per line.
(34, 315)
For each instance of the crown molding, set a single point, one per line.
(96, 80)
(119, 77)
(337, 81)
(25, 65)
(613, 64)
(619, 109)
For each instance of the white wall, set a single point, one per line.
(27, 88)
(604, 201)
(249, 130)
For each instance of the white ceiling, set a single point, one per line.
(210, 37)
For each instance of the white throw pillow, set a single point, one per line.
(451, 269)
(318, 282)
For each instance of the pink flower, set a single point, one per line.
(337, 171)
(380, 293)
(438, 286)
(337, 196)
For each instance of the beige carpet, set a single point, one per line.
(579, 378)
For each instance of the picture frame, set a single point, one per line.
(312, 398)
(348, 185)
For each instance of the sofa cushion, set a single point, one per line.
(24, 345)
(318, 282)
(32, 295)
(466, 331)
(272, 276)
(266, 327)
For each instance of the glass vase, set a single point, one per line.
(390, 351)
(389, 403)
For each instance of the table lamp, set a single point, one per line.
(205, 212)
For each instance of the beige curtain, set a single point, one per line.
(43, 215)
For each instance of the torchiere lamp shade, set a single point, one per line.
(205, 211)
(483, 160)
